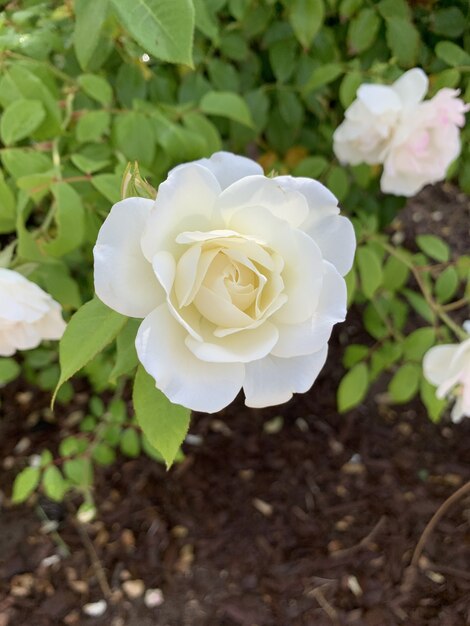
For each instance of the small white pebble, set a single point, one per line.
(95, 609)
(22, 445)
(50, 560)
(153, 598)
(194, 440)
(133, 588)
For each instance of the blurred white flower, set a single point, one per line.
(370, 121)
(28, 314)
(425, 143)
(415, 141)
(448, 368)
(238, 277)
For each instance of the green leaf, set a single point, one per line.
(306, 18)
(349, 86)
(7, 207)
(226, 104)
(363, 30)
(134, 137)
(434, 247)
(103, 454)
(323, 75)
(25, 483)
(447, 284)
(452, 54)
(164, 28)
(405, 383)
(370, 270)
(435, 406)
(347, 8)
(69, 218)
(311, 167)
(282, 57)
(97, 88)
(20, 119)
(390, 9)
(79, 471)
(88, 332)
(354, 353)
(89, 19)
(164, 424)
(54, 484)
(449, 22)
(9, 370)
(419, 304)
(30, 86)
(418, 343)
(92, 125)
(353, 387)
(338, 182)
(200, 125)
(109, 185)
(395, 273)
(130, 443)
(205, 21)
(126, 355)
(21, 162)
(403, 40)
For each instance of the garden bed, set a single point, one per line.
(291, 516)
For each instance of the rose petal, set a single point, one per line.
(379, 99)
(185, 202)
(272, 381)
(124, 279)
(303, 264)
(336, 239)
(311, 336)
(411, 87)
(243, 347)
(228, 167)
(259, 191)
(436, 363)
(183, 378)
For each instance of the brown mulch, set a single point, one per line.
(291, 516)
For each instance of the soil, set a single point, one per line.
(290, 516)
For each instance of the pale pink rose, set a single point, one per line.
(424, 144)
(371, 120)
(448, 368)
(27, 314)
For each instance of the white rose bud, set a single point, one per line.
(447, 366)
(239, 278)
(28, 314)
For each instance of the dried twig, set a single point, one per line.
(364, 541)
(94, 558)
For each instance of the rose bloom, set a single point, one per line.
(27, 314)
(370, 121)
(238, 278)
(425, 143)
(448, 368)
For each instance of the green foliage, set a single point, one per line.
(88, 332)
(164, 424)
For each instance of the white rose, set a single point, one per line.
(27, 314)
(425, 143)
(370, 121)
(238, 277)
(448, 368)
